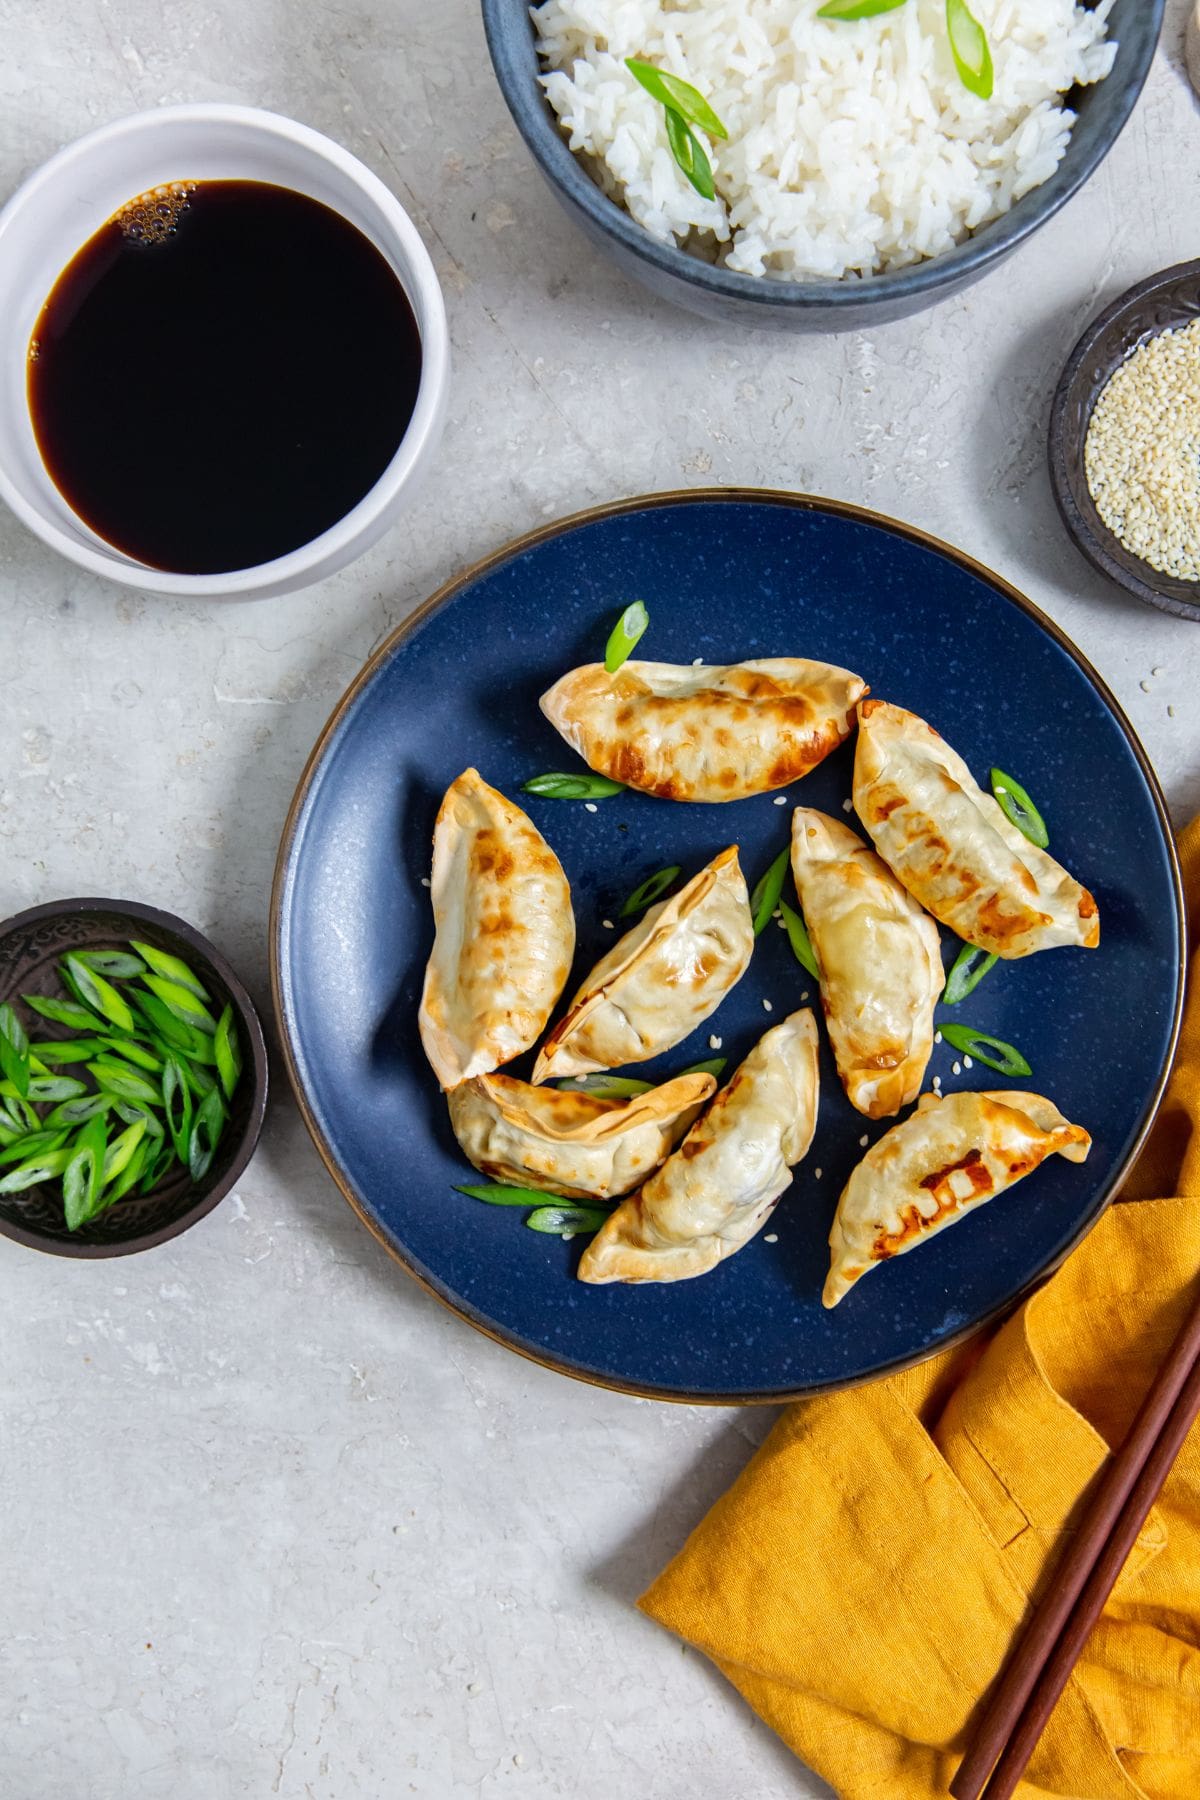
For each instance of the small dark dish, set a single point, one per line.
(1162, 303)
(844, 305)
(30, 945)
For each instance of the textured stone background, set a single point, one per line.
(275, 1523)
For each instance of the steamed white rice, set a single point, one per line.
(853, 147)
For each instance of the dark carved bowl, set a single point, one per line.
(30, 945)
(1162, 303)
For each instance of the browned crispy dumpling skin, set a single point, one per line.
(505, 934)
(573, 1144)
(935, 1167)
(954, 848)
(880, 958)
(700, 733)
(721, 1185)
(660, 980)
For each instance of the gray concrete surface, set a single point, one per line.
(274, 1522)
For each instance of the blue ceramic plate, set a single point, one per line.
(726, 575)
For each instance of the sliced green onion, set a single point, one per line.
(572, 787)
(131, 1175)
(624, 635)
(178, 1036)
(799, 939)
(857, 9)
(156, 1167)
(120, 1152)
(173, 968)
(767, 890)
(209, 1123)
(77, 1112)
(228, 1052)
(690, 155)
(562, 1221)
(71, 1050)
(678, 96)
(990, 1050)
(83, 1176)
(34, 1143)
(35, 1169)
(116, 965)
(177, 1103)
(603, 1087)
(14, 1050)
(972, 54)
(1016, 805)
(46, 1088)
(97, 993)
(497, 1194)
(130, 1112)
(64, 1012)
(131, 1051)
(129, 1084)
(966, 972)
(182, 1003)
(649, 891)
(713, 1066)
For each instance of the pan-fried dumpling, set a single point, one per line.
(953, 847)
(935, 1167)
(697, 733)
(660, 980)
(880, 958)
(505, 934)
(721, 1185)
(570, 1143)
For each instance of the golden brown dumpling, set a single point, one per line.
(571, 1143)
(660, 980)
(938, 1165)
(698, 733)
(505, 934)
(880, 958)
(721, 1185)
(954, 848)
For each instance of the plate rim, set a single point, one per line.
(434, 603)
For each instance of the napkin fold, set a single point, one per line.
(864, 1580)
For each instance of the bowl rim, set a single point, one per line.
(444, 595)
(1097, 543)
(368, 517)
(252, 1024)
(565, 171)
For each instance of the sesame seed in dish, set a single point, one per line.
(1141, 455)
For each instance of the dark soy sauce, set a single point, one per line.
(220, 374)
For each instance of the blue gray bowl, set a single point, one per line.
(812, 305)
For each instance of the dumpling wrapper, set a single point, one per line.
(660, 980)
(928, 1172)
(505, 934)
(880, 958)
(705, 733)
(721, 1185)
(954, 848)
(572, 1144)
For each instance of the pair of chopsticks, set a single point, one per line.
(1041, 1665)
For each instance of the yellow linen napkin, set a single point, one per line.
(865, 1578)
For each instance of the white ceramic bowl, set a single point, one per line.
(58, 209)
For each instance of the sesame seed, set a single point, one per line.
(967, 1063)
(1142, 454)
(782, 924)
(781, 800)
(772, 1237)
(777, 915)
(847, 806)
(714, 1042)
(1156, 671)
(956, 1068)
(697, 662)
(804, 996)
(937, 1081)
(591, 806)
(1145, 686)
(425, 881)
(937, 1037)
(818, 1173)
(1170, 712)
(767, 1007)
(608, 924)
(864, 1140)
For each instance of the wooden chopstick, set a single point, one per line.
(1042, 1662)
